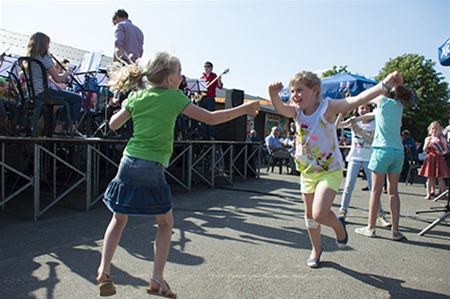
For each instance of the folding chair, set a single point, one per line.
(413, 170)
(35, 102)
(275, 161)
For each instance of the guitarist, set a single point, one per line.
(208, 101)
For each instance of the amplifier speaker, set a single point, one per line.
(233, 98)
(234, 130)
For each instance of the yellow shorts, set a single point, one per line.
(332, 180)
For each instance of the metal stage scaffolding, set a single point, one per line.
(49, 170)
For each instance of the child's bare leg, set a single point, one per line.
(162, 243)
(441, 185)
(111, 240)
(375, 195)
(394, 199)
(322, 213)
(312, 226)
(431, 185)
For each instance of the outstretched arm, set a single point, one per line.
(221, 116)
(358, 130)
(367, 116)
(352, 123)
(342, 106)
(282, 108)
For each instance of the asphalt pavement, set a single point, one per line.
(246, 240)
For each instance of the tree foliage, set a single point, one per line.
(335, 70)
(432, 94)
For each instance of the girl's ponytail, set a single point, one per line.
(124, 78)
(403, 94)
(131, 76)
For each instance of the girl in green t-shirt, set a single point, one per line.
(140, 187)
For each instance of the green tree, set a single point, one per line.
(431, 90)
(335, 70)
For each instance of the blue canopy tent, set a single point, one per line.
(336, 86)
(444, 53)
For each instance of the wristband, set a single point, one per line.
(385, 88)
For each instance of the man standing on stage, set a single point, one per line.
(128, 47)
(129, 38)
(208, 101)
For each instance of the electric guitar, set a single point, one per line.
(197, 97)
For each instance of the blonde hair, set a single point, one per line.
(309, 79)
(435, 124)
(38, 45)
(131, 76)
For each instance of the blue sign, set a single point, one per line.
(285, 94)
(444, 53)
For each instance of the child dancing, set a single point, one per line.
(317, 155)
(140, 187)
(357, 158)
(387, 156)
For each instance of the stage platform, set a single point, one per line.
(50, 170)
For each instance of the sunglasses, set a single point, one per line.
(207, 66)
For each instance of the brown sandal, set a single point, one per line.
(106, 285)
(163, 289)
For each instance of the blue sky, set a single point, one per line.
(259, 41)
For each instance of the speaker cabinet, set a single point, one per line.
(233, 98)
(236, 129)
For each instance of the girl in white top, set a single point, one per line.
(317, 155)
(359, 157)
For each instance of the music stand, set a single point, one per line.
(6, 64)
(196, 88)
(196, 85)
(89, 67)
(103, 127)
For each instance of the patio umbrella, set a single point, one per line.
(338, 85)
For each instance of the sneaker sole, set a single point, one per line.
(366, 235)
(403, 238)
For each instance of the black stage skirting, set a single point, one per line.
(52, 169)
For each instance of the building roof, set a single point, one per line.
(16, 43)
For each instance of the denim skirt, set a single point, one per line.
(139, 188)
